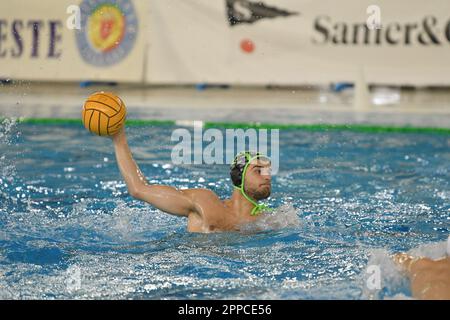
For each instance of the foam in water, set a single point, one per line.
(391, 283)
(7, 167)
(283, 217)
(430, 250)
(6, 128)
(448, 246)
(77, 220)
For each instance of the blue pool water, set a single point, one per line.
(345, 200)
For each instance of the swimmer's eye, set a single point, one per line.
(262, 171)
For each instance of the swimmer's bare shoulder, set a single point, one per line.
(209, 211)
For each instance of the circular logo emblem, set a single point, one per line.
(108, 31)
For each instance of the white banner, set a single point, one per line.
(295, 42)
(286, 42)
(73, 40)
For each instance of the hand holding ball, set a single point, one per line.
(104, 114)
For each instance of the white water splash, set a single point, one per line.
(392, 279)
(283, 217)
(6, 128)
(434, 250)
(7, 165)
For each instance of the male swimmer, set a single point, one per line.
(430, 279)
(250, 174)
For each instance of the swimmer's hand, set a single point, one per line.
(430, 279)
(119, 135)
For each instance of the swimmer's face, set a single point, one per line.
(258, 179)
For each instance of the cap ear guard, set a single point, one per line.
(240, 162)
(236, 176)
(238, 165)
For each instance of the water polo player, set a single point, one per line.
(250, 174)
(104, 114)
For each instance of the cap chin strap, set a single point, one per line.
(257, 207)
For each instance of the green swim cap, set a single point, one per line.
(238, 170)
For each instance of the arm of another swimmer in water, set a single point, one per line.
(165, 198)
(430, 279)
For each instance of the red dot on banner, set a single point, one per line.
(247, 46)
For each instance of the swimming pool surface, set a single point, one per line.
(345, 200)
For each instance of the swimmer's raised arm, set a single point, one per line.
(165, 198)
